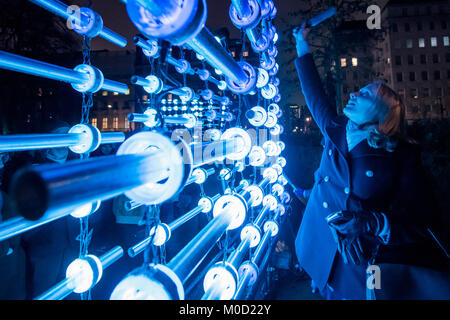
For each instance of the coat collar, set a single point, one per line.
(337, 134)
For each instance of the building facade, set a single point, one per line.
(416, 55)
(110, 109)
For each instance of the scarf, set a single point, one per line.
(355, 134)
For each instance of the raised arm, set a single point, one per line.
(320, 107)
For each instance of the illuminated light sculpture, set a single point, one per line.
(148, 167)
(81, 138)
(272, 51)
(243, 184)
(131, 205)
(83, 78)
(154, 85)
(205, 75)
(246, 14)
(274, 70)
(149, 47)
(269, 91)
(184, 25)
(271, 121)
(257, 116)
(166, 281)
(281, 161)
(208, 94)
(276, 130)
(199, 175)
(249, 270)
(277, 98)
(254, 194)
(267, 62)
(181, 65)
(285, 197)
(263, 78)
(225, 174)
(150, 119)
(257, 156)
(84, 21)
(213, 115)
(82, 274)
(18, 225)
(270, 148)
(221, 280)
(274, 108)
(161, 233)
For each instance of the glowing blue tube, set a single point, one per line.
(242, 7)
(114, 86)
(18, 225)
(199, 175)
(206, 45)
(62, 10)
(111, 256)
(21, 64)
(314, 21)
(162, 233)
(149, 47)
(187, 258)
(113, 37)
(140, 81)
(205, 75)
(66, 186)
(79, 279)
(242, 286)
(182, 66)
(131, 205)
(21, 142)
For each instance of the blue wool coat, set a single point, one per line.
(365, 178)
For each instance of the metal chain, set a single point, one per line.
(87, 102)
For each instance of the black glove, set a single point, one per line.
(348, 227)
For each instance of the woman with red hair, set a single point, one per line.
(370, 209)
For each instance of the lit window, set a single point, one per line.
(105, 123)
(104, 93)
(144, 97)
(343, 62)
(109, 106)
(421, 43)
(354, 62)
(115, 123)
(94, 122)
(233, 53)
(245, 54)
(115, 93)
(446, 41)
(128, 92)
(433, 41)
(127, 124)
(409, 43)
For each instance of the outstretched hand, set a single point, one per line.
(301, 33)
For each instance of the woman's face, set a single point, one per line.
(362, 108)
